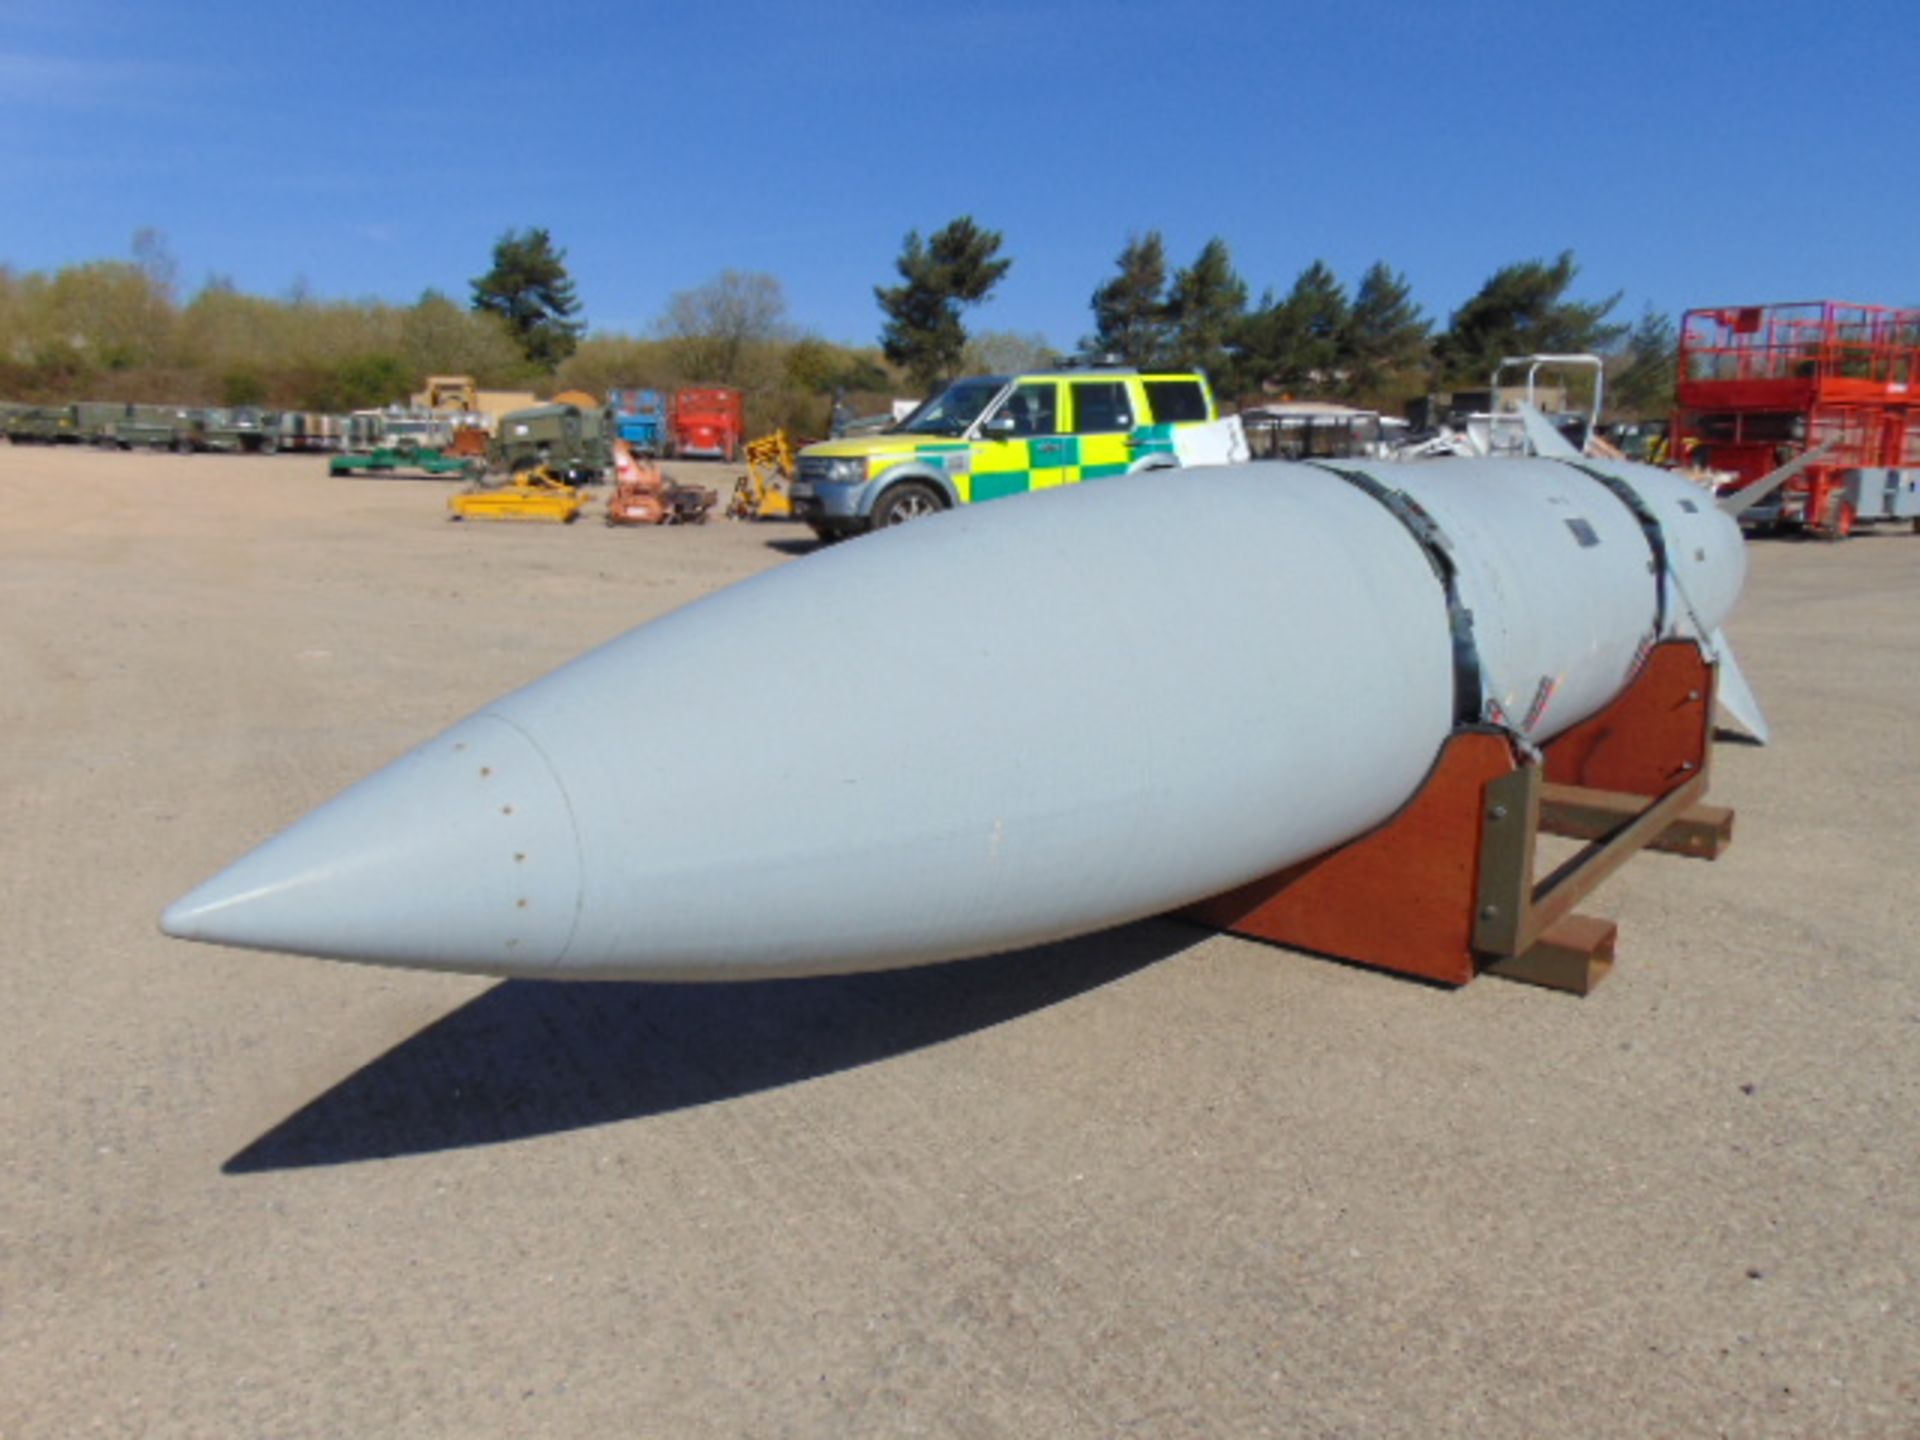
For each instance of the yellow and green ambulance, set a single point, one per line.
(989, 436)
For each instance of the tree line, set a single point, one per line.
(119, 330)
(1371, 346)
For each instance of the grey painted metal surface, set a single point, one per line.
(1732, 692)
(1116, 699)
(1752, 497)
(1883, 493)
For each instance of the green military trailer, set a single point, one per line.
(114, 424)
(93, 421)
(235, 432)
(42, 425)
(576, 443)
(153, 427)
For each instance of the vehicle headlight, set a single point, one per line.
(849, 471)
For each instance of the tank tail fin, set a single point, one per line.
(1735, 695)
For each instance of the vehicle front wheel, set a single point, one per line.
(910, 501)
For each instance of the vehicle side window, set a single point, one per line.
(1100, 407)
(1035, 409)
(1176, 402)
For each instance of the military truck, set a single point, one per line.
(577, 443)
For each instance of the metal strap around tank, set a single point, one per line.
(1649, 522)
(1470, 688)
(1664, 569)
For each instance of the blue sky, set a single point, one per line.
(1689, 154)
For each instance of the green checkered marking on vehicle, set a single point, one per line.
(1053, 452)
(1151, 440)
(949, 455)
(1000, 484)
(1101, 472)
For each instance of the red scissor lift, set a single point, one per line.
(1761, 384)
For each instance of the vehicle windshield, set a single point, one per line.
(954, 408)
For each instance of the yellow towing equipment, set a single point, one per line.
(538, 495)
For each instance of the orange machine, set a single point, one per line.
(644, 496)
(1760, 384)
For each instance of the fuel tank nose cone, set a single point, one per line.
(464, 850)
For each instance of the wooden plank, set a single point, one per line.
(1656, 734)
(1571, 882)
(1574, 954)
(1400, 897)
(1576, 812)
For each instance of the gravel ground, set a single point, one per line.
(1151, 1182)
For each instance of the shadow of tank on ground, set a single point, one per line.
(532, 1058)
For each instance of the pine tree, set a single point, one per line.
(1320, 324)
(1387, 339)
(1130, 310)
(958, 265)
(1299, 344)
(1205, 307)
(529, 288)
(1521, 310)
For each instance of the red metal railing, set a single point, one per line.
(1815, 341)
